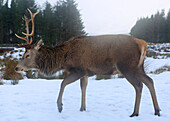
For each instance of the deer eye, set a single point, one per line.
(27, 56)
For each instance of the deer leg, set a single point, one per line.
(138, 85)
(149, 83)
(138, 89)
(69, 79)
(131, 76)
(83, 85)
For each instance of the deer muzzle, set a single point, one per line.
(17, 69)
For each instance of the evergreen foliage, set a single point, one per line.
(54, 24)
(154, 29)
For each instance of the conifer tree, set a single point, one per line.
(69, 22)
(168, 27)
(54, 24)
(153, 29)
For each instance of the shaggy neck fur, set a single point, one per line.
(49, 59)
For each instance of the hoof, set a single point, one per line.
(157, 112)
(134, 114)
(60, 108)
(82, 109)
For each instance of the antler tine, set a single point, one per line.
(24, 38)
(27, 28)
(32, 19)
(33, 15)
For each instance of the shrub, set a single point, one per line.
(9, 73)
(1, 83)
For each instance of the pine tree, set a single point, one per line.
(48, 33)
(151, 29)
(160, 26)
(5, 23)
(53, 24)
(168, 27)
(69, 22)
(1, 24)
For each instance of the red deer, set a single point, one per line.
(87, 56)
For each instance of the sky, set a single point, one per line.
(115, 16)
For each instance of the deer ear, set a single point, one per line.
(38, 44)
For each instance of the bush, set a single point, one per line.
(9, 73)
(1, 83)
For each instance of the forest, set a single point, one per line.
(61, 21)
(54, 23)
(154, 29)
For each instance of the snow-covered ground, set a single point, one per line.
(111, 100)
(152, 65)
(107, 100)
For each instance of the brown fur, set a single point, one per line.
(90, 55)
(99, 54)
(143, 47)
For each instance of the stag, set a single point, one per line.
(86, 56)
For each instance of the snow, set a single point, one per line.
(112, 99)
(14, 54)
(153, 64)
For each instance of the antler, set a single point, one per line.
(27, 27)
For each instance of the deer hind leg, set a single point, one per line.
(69, 79)
(136, 83)
(149, 83)
(83, 85)
(138, 88)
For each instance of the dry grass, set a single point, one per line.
(158, 51)
(161, 70)
(99, 77)
(9, 73)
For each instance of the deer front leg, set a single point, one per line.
(83, 85)
(69, 79)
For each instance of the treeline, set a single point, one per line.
(55, 23)
(154, 29)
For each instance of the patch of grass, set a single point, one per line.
(15, 51)
(20, 50)
(161, 70)
(120, 75)
(99, 77)
(151, 54)
(1, 83)
(166, 50)
(32, 74)
(10, 56)
(158, 51)
(12, 52)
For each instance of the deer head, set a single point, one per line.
(27, 62)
